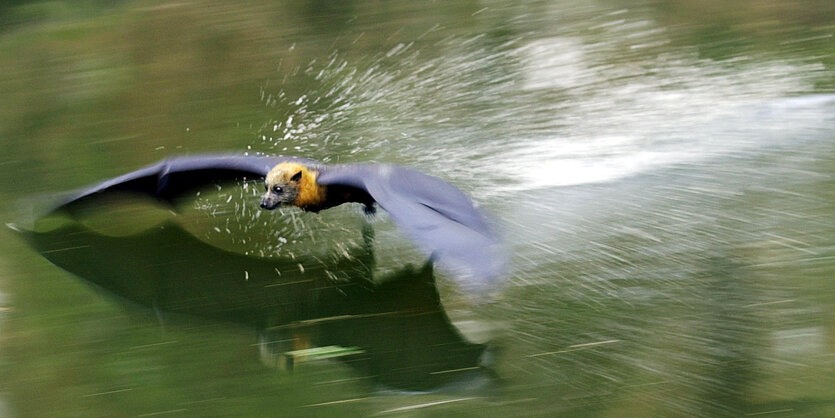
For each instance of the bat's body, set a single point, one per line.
(433, 213)
(296, 184)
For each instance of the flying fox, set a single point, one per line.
(438, 217)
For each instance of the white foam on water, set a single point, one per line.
(611, 122)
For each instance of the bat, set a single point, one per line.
(440, 219)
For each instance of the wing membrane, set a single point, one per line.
(175, 177)
(433, 213)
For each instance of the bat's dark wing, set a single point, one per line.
(434, 214)
(174, 177)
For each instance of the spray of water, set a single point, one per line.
(645, 199)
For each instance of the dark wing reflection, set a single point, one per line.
(399, 325)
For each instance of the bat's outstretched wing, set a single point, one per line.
(174, 177)
(433, 213)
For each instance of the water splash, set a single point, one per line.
(536, 112)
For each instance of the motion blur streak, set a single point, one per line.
(663, 174)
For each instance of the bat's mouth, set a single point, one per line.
(269, 204)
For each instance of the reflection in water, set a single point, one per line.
(296, 303)
(663, 172)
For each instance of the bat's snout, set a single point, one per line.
(269, 203)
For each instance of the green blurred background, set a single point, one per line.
(663, 173)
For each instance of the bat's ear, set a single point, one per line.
(296, 177)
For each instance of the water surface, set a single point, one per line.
(662, 174)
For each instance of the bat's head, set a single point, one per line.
(289, 184)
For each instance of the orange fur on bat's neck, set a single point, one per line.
(309, 194)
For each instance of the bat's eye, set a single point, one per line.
(276, 189)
